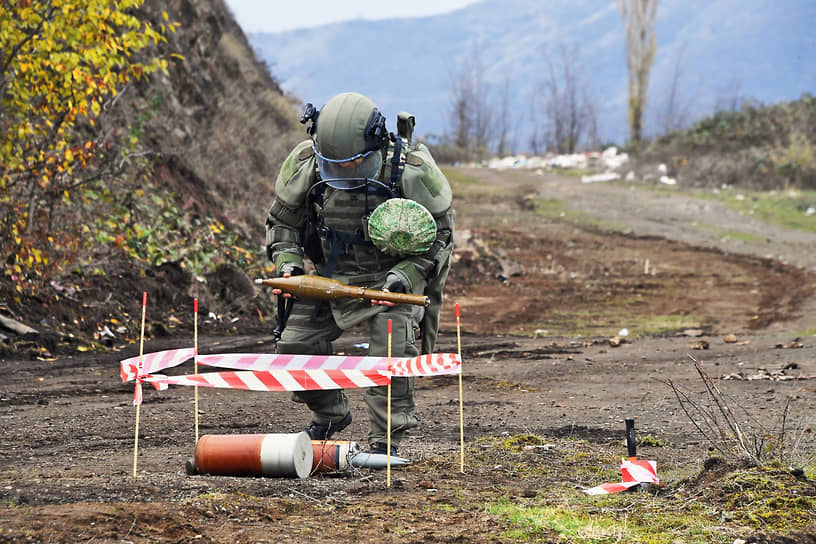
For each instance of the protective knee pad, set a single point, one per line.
(321, 347)
(403, 334)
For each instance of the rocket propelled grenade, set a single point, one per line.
(318, 287)
(376, 460)
(280, 455)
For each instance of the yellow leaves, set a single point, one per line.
(83, 54)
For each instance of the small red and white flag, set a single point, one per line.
(633, 472)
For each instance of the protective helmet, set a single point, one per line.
(348, 137)
(401, 227)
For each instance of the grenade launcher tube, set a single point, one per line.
(318, 287)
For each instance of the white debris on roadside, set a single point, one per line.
(605, 162)
(612, 159)
(606, 176)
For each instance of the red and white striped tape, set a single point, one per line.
(432, 364)
(606, 489)
(633, 472)
(423, 365)
(137, 394)
(639, 470)
(274, 361)
(154, 362)
(283, 372)
(278, 380)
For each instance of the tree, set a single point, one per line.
(564, 97)
(640, 18)
(62, 62)
(674, 112)
(505, 120)
(730, 97)
(471, 114)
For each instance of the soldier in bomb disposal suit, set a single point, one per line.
(372, 209)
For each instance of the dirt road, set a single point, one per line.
(544, 301)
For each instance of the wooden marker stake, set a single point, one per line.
(461, 407)
(137, 396)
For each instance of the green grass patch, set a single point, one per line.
(609, 321)
(809, 332)
(782, 208)
(554, 208)
(582, 522)
(656, 325)
(767, 497)
(742, 236)
(458, 178)
(713, 510)
(519, 441)
(651, 441)
(530, 523)
(572, 173)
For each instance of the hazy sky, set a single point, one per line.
(281, 15)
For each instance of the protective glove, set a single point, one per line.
(394, 283)
(291, 269)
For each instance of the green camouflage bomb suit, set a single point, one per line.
(327, 222)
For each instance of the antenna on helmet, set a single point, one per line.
(310, 113)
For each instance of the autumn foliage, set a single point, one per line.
(62, 64)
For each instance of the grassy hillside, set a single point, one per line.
(175, 203)
(758, 147)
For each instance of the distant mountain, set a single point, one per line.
(723, 50)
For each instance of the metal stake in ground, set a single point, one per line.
(461, 409)
(137, 394)
(195, 361)
(388, 439)
(631, 442)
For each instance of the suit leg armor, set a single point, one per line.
(308, 335)
(405, 321)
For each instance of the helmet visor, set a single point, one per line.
(358, 167)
